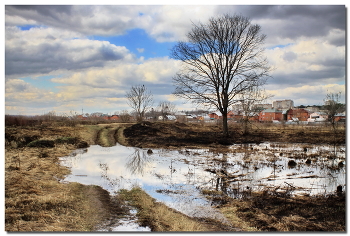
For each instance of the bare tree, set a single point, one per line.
(221, 59)
(140, 100)
(124, 116)
(333, 106)
(165, 108)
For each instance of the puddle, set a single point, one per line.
(128, 223)
(177, 178)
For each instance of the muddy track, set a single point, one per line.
(108, 136)
(119, 136)
(97, 137)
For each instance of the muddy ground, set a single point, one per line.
(163, 134)
(36, 200)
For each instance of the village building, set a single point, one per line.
(82, 117)
(317, 117)
(253, 116)
(263, 106)
(114, 117)
(312, 109)
(297, 114)
(215, 115)
(270, 115)
(340, 117)
(283, 104)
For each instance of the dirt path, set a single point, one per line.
(109, 134)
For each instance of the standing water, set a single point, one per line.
(177, 177)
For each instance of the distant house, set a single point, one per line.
(231, 115)
(204, 117)
(105, 117)
(215, 115)
(317, 117)
(82, 117)
(340, 117)
(235, 115)
(253, 116)
(270, 115)
(263, 106)
(167, 117)
(171, 117)
(190, 117)
(297, 114)
(283, 104)
(114, 117)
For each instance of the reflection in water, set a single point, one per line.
(111, 182)
(138, 161)
(177, 178)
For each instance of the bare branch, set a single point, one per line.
(221, 60)
(140, 100)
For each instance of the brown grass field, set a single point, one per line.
(36, 198)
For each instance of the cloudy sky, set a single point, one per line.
(68, 58)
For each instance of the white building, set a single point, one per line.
(283, 104)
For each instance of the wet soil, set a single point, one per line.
(175, 134)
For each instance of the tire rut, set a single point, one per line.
(109, 136)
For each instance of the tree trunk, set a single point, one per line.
(224, 125)
(245, 128)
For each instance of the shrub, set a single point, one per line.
(68, 140)
(42, 143)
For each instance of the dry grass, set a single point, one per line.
(35, 199)
(158, 216)
(266, 212)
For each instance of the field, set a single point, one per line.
(36, 198)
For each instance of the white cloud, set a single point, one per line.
(140, 50)
(307, 62)
(43, 50)
(21, 96)
(94, 88)
(305, 94)
(96, 74)
(153, 71)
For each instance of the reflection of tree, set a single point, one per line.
(111, 182)
(138, 160)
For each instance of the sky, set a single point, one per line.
(84, 58)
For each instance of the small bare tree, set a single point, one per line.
(165, 108)
(220, 60)
(124, 116)
(140, 100)
(333, 106)
(249, 101)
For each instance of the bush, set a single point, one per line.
(82, 144)
(42, 143)
(68, 140)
